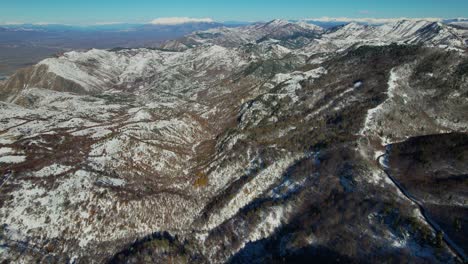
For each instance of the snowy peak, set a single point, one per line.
(96, 70)
(423, 32)
(352, 32)
(310, 26)
(402, 31)
(230, 37)
(277, 23)
(131, 70)
(355, 28)
(407, 28)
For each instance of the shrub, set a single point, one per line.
(202, 179)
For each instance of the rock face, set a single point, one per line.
(244, 145)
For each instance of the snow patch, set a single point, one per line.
(12, 159)
(52, 170)
(5, 150)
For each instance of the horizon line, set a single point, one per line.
(168, 21)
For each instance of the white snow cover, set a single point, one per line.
(292, 80)
(370, 124)
(250, 191)
(370, 20)
(427, 32)
(12, 159)
(52, 170)
(6, 150)
(179, 20)
(140, 69)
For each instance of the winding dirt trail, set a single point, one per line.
(450, 243)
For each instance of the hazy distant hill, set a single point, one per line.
(23, 45)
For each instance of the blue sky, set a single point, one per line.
(95, 11)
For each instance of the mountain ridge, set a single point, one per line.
(248, 144)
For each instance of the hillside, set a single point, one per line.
(256, 144)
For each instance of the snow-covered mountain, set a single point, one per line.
(406, 31)
(243, 145)
(223, 48)
(231, 37)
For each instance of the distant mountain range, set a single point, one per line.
(106, 27)
(116, 27)
(22, 45)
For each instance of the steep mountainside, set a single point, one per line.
(434, 169)
(267, 143)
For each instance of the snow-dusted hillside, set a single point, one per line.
(234, 141)
(275, 29)
(406, 31)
